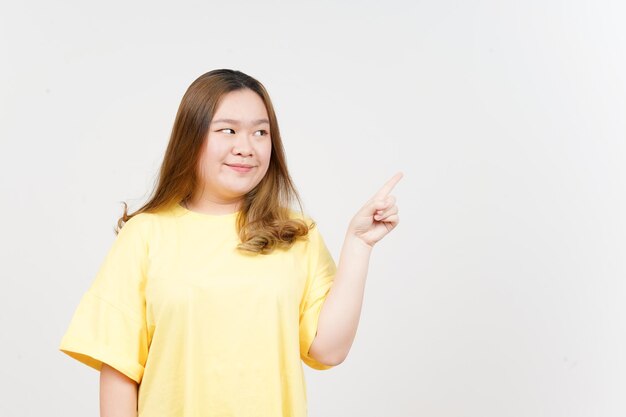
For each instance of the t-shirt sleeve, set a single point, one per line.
(321, 271)
(109, 324)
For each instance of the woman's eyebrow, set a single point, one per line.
(233, 121)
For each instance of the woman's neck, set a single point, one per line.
(210, 207)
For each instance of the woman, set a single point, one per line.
(215, 291)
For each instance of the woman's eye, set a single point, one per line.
(264, 132)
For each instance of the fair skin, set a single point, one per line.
(244, 136)
(118, 393)
(223, 192)
(224, 189)
(339, 316)
(238, 133)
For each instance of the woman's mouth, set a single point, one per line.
(241, 167)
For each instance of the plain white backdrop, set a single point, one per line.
(500, 293)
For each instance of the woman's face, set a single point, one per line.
(239, 133)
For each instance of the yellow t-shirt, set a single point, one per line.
(204, 329)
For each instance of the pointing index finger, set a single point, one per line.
(386, 189)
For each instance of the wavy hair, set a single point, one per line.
(264, 221)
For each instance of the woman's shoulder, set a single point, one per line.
(146, 218)
(140, 223)
(141, 219)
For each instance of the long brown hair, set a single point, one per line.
(264, 221)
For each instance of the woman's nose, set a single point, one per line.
(242, 144)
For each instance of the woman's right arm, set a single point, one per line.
(118, 393)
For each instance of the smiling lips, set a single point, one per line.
(240, 167)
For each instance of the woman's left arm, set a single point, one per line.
(340, 313)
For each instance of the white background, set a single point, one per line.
(500, 293)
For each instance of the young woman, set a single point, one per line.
(215, 291)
